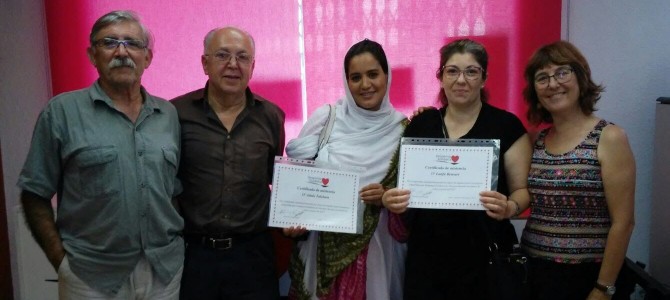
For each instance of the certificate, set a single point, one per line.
(448, 174)
(315, 197)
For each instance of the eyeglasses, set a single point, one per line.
(111, 44)
(470, 73)
(225, 57)
(562, 75)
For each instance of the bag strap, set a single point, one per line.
(327, 129)
(482, 223)
(494, 248)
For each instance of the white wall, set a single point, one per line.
(24, 89)
(626, 43)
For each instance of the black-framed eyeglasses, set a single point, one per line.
(470, 73)
(562, 75)
(111, 44)
(225, 57)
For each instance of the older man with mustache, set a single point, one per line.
(110, 154)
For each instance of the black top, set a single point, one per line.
(445, 245)
(226, 175)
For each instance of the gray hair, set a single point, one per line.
(119, 16)
(210, 35)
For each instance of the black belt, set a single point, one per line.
(219, 242)
(212, 242)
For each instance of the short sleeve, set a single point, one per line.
(42, 169)
(513, 130)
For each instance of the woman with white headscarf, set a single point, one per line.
(366, 133)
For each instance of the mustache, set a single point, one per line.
(122, 62)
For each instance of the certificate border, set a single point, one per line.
(347, 229)
(464, 145)
(487, 181)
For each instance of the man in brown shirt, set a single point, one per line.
(229, 139)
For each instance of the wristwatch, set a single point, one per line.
(609, 290)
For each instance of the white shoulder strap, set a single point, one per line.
(328, 128)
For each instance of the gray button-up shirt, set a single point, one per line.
(114, 180)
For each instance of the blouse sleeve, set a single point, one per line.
(513, 130)
(305, 146)
(315, 122)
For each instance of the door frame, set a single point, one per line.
(6, 288)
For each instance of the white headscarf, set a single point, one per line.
(359, 137)
(368, 139)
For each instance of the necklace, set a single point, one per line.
(444, 125)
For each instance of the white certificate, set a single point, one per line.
(448, 174)
(324, 199)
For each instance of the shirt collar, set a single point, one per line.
(98, 94)
(251, 100)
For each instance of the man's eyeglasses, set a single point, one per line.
(562, 75)
(470, 73)
(111, 44)
(225, 57)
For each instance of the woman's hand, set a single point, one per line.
(497, 205)
(372, 193)
(420, 110)
(294, 231)
(396, 200)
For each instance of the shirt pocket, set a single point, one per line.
(99, 174)
(254, 164)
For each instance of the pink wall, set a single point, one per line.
(410, 31)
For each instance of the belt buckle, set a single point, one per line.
(220, 244)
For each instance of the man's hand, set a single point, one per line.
(40, 218)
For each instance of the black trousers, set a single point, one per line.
(555, 281)
(244, 271)
(443, 271)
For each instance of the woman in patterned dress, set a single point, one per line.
(582, 182)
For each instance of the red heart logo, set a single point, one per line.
(325, 181)
(454, 158)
